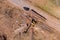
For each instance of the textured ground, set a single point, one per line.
(14, 21)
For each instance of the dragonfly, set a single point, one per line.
(32, 24)
(43, 25)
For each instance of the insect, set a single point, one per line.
(33, 22)
(27, 9)
(31, 25)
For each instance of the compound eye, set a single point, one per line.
(26, 8)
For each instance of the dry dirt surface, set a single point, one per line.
(17, 24)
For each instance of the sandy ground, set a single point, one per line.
(14, 20)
